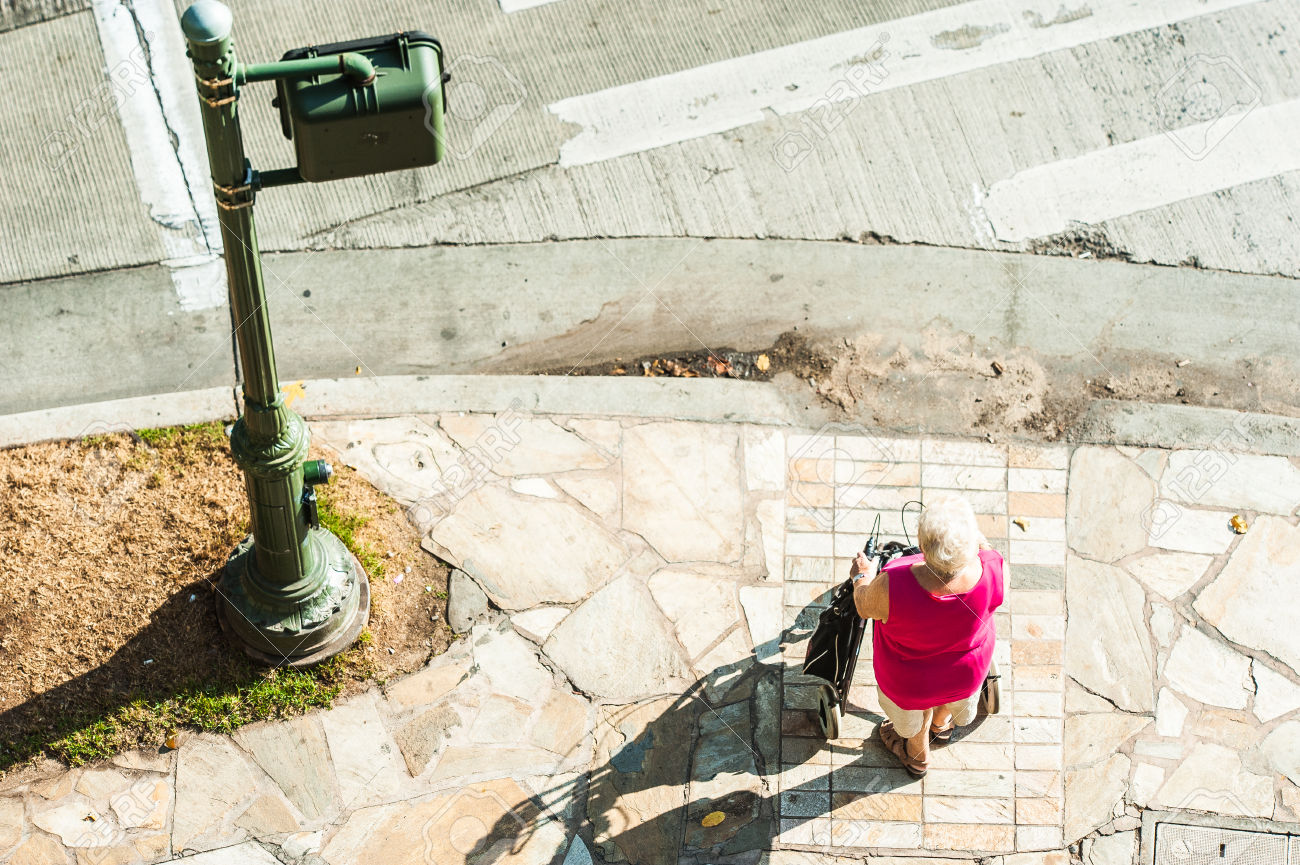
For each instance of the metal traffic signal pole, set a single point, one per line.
(291, 593)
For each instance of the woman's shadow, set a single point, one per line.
(693, 780)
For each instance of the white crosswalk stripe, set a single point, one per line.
(811, 76)
(1144, 174)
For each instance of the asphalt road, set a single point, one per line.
(633, 178)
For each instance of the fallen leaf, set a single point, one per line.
(173, 741)
(1239, 524)
(762, 363)
(1022, 522)
(713, 818)
(998, 368)
(357, 371)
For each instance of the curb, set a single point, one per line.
(137, 412)
(708, 400)
(1159, 425)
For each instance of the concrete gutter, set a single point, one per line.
(1144, 424)
(707, 400)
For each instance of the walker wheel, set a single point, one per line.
(828, 711)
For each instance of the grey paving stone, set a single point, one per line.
(466, 602)
(618, 646)
(1091, 794)
(425, 735)
(1107, 648)
(569, 553)
(1108, 500)
(1253, 599)
(296, 756)
(1037, 577)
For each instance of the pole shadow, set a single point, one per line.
(180, 653)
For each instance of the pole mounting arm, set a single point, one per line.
(356, 68)
(238, 196)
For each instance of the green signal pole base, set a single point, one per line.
(298, 633)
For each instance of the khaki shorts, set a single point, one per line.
(907, 722)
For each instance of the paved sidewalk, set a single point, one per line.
(630, 685)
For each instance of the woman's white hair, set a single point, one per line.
(948, 535)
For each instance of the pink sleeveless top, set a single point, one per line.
(935, 650)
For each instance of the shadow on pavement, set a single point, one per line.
(666, 770)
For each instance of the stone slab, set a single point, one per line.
(617, 645)
(1107, 649)
(1211, 778)
(682, 490)
(367, 761)
(1108, 497)
(1253, 598)
(1222, 479)
(1091, 794)
(570, 554)
(295, 755)
(1095, 736)
(1208, 671)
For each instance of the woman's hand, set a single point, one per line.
(870, 591)
(863, 565)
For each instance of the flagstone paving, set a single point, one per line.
(997, 788)
(629, 688)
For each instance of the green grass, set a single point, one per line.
(212, 708)
(345, 525)
(213, 432)
(235, 691)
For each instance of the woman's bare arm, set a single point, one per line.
(871, 593)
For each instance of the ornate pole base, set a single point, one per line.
(299, 625)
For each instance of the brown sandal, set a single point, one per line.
(942, 736)
(897, 746)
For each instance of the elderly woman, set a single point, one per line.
(933, 641)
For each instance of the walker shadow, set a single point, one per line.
(665, 770)
(181, 653)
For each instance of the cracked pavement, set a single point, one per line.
(1100, 197)
(1148, 662)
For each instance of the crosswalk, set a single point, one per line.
(1147, 173)
(843, 67)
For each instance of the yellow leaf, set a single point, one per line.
(172, 742)
(358, 371)
(1022, 522)
(763, 363)
(1239, 524)
(713, 818)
